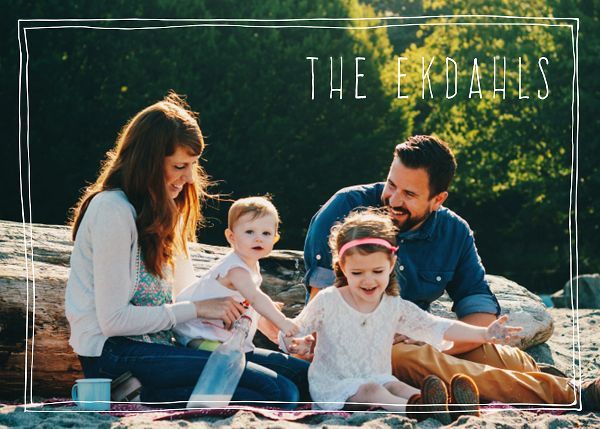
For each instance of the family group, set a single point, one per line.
(376, 257)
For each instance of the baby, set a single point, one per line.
(252, 231)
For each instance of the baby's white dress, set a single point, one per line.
(209, 287)
(355, 348)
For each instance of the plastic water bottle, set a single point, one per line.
(222, 371)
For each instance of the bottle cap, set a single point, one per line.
(243, 323)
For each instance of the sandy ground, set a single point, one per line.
(558, 351)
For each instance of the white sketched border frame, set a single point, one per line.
(133, 24)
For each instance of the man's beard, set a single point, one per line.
(410, 220)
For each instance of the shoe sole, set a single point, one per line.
(434, 392)
(464, 396)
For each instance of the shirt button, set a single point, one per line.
(401, 267)
(402, 241)
(438, 278)
(318, 257)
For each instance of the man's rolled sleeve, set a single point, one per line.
(320, 277)
(317, 259)
(317, 255)
(480, 303)
(318, 265)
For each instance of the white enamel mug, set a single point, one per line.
(92, 394)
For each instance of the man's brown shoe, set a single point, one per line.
(434, 391)
(464, 396)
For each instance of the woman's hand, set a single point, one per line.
(499, 333)
(227, 309)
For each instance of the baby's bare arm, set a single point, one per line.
(240, 279)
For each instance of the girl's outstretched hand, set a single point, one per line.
(499, 333)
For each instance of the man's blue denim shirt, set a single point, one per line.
(440, 255)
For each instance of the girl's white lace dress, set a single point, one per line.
(355, 348)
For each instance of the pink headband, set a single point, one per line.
(367, 240)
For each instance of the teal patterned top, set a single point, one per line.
(151, 290)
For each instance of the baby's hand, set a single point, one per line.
(499, 333)
(300, 346)
(289, 328)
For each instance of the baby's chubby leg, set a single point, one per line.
(376, 394)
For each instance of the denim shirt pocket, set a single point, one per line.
(433, 284)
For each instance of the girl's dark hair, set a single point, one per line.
(371, 223)
(136, 166)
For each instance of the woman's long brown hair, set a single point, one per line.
(136, 166)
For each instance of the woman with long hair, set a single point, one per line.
(131, 229)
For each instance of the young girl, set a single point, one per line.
(356, 321)
(252, 232)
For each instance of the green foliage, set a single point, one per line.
(251, 87)
(400, 40)
(588, 156)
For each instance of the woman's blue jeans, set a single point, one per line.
(169, 373)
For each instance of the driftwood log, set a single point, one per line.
(34, 333)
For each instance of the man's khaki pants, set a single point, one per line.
(502, 373)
